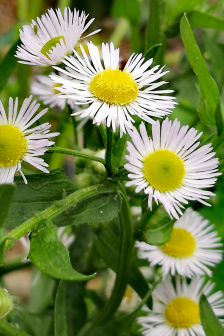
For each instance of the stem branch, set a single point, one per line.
(74, 153)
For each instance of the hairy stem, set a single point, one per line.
(53, 211)
(109, 151)
(74, 153)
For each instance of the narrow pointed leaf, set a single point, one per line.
(8, 65)
(209, 108)
(209, 321)
(60, 321)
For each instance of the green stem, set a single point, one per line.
(108, 165)
(54, 210)
(7, 329)
(103, 134)
(14, 265)
(123, 268)
(74, 153)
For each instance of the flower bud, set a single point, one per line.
(83, 180)
(82, 162)
(6, 303)
(97, 166)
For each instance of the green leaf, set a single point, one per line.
(60, 322)
(203, 20)
(7, 192)
(182, 6)
(44, 190)
(209, 320)
(108, 245)
(209, 108)
(50, 256)
(8, 65)
(96, 209)
(129, 9)
(151, 52)
(159, 228)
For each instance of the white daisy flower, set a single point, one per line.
(113, 94)
(191, 248)
(47, 41)
(48, 93)
(176, 309)
(20, 143)
(170, 167)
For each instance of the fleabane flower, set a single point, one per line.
(113, 94)
(48, 93)
(19, 142)
(175, 309)
(192, 247)
(170, 167)
(47, 41)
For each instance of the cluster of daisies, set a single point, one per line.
(170, 167)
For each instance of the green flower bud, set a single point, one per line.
(6, 303)
(82, 162)
(83, 180)
(97, 166)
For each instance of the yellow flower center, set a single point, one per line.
(114, 87)
(182, 313)
(164, 170)
(55, 86)
(50, 44)
(13, 145)
(181, 244)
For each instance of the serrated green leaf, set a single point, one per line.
(209, 320)
(108, 245)
(209, 108)
(129, 9)
(50, 256)
(8, 65)
(7, 192)
(151, 52)
(159, 228)
(60, 322)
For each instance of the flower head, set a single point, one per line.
(48, 92)
(175, 308)
(192, 246)
(114, 94)
(47, 41)
(20, 143)
(170, 167)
